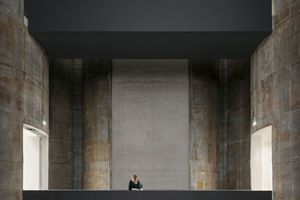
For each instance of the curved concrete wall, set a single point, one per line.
(234, 124)
(36, 85)
(11, 108)
(203, 124)
(238, 137)
(275, 96)
(23, 94)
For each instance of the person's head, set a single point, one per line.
(134, 178)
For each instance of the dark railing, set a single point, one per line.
(146, 195)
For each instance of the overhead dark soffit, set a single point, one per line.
(149, 28)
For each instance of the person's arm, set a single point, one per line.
(129, 186)
(140, 186)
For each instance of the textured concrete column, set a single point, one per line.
(11, 102)
(238, 135)
(77, 125)
(275, 96)
(65, 124)
(222, 124)
(65, 145)
(60, 138)
(203, 128)
(97, 124)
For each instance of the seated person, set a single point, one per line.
(135, 184)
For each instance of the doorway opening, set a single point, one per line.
(35, 158)
(261, 159)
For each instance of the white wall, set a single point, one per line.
(261, 160)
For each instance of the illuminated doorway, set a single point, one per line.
(261, 159)
(35, 158)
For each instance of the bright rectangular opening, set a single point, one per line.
(35, 159)
(261, 159)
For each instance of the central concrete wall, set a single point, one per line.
(150, 123)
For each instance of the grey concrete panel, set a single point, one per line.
(150, 127)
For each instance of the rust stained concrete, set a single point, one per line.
(275, 96)
(65, 145)
(97, 124)
(203, 124)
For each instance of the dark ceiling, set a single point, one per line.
(149, 28)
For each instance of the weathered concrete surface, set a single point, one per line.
(60, 137)
(150, 127)
(97, 124)
(65, 144)
(234, 124)
(275, 96)
(13, 8)
(23, 94)
(203, 124)
(238, 136)
(11, 108)
(77, 125)
(222, 123)
(79, 103)
(36, 85)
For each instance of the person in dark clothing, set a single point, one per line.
(135, 184)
